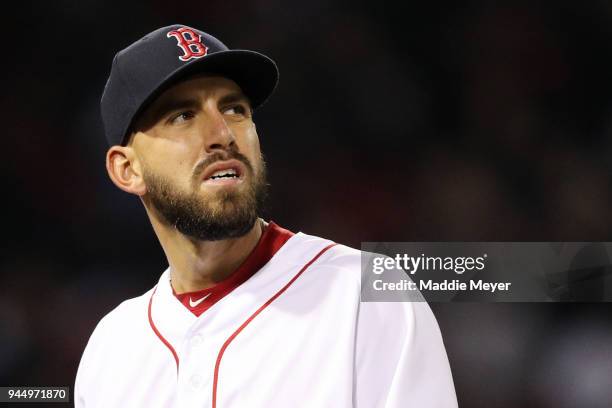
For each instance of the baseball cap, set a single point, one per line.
(147, 67)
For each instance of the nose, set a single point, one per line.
(217, 134)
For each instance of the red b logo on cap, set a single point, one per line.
(190, 42)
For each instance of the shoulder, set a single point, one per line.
(324, 254)
(126, 310)
(113, 336)
(327, 252)
(119, 322)
(348, 264)
(399, 313)
(332, 261)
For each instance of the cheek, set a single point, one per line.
(165, 152)
(168, 166)
(250, 146)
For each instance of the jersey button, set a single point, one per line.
(196, 340)
(196, 381)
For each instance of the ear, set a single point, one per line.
(124, 170)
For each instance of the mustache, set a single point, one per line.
(221, 156)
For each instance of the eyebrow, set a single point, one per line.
(176, 104)
(235, 97)
(171, 105)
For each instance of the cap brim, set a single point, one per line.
(256, 74)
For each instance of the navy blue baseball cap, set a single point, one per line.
(164, 57)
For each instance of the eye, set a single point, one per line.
(181, 117)
(235, 110)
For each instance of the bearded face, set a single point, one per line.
(197, 162)
(210, 214)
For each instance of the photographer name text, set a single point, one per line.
(445, 285)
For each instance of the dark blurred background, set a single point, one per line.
(393, 121)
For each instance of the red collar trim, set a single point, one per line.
(272, 239)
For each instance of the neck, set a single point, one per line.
(197, 265)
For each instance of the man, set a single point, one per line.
(248, 314)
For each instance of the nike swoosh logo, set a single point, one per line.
(197, 302)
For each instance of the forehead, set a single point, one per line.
(188, 92)
(199, 86)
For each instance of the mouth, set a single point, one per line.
(224, 173)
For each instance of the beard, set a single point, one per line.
(224, 214)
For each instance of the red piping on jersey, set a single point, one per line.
(253, 316)
(163, 340)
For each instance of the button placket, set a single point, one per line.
(196, 381)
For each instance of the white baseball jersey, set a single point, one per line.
(294, 334)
